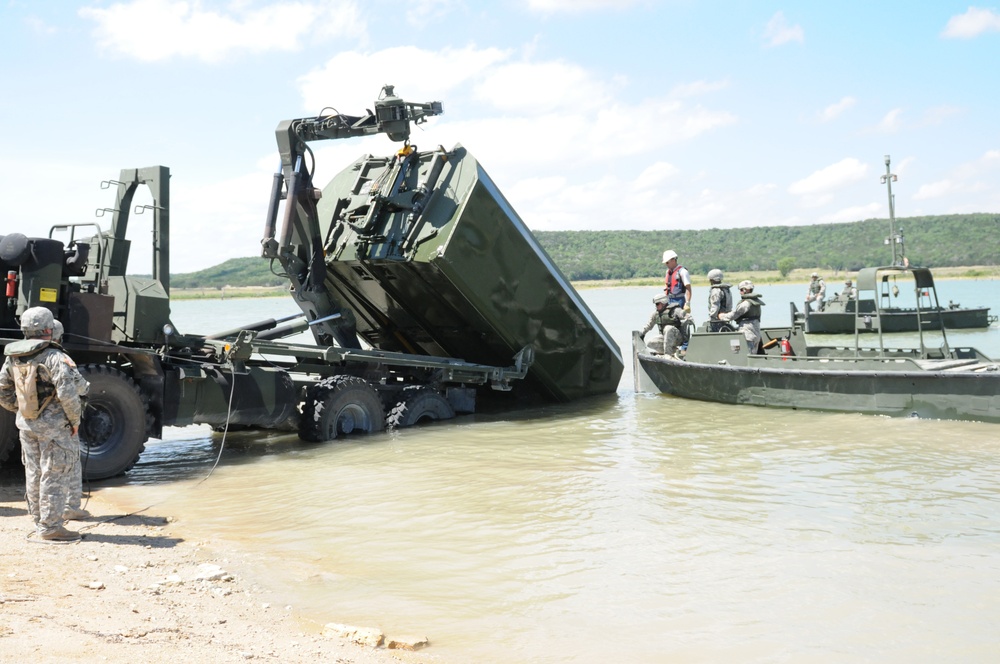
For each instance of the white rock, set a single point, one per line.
(209, 572)
(366, 636)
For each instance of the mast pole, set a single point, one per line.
(893, 238)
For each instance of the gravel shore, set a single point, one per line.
(135, 589)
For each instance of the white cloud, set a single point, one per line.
(155, 30)
(891, 121)
(421, 12)
(575, 155)
(853, 213)
(654, 175)
(964, 179)
(834, 111)
(697, 88)
(778, 31)
(935, 190)
(759, 190)
(817, 187)
(514, 107)
(40, 27)
(356, 76)
(972, 23)
(542, 88)
(576, 6)
(938, 114)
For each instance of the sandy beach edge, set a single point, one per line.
(136, 588)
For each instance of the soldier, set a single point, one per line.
(747, 314)
(816, 292)
(720, 301)
(850, 292)
(669, 318)
(37, 382)
(74, 510)
(678, 281)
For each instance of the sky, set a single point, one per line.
(588, 114)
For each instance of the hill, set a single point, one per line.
(935, 241)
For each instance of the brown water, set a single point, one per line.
(631, 528)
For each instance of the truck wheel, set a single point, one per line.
(115, 423)
(9, 440)
(340, 405)
(418, 406)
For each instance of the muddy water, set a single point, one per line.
(630, 528)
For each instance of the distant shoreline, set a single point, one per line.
(799, 276)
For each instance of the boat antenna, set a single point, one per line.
(894, 237)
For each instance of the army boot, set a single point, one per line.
(59, 534)
(73, 514)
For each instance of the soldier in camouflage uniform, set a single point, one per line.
(720, 301)
(747, 316)
(74, 509)
(37, 382)
(669, 318)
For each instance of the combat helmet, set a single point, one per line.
(661, 299)
(746, 285)
(715, 276)
(36, 320)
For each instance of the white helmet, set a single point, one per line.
(668, 254)
(715, 276)
(746, 285)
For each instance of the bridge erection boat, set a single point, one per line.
(873, 375)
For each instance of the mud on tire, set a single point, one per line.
(115, 425)
(418, 405)
(340, 405)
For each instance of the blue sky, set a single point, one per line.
(589, 114)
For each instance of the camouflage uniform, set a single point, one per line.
(48, 447)
(720, 301)
(747, 315)
(669, 320)
(74, 501)
(816, 292)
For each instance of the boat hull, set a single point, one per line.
(962, 393)
(896, 320)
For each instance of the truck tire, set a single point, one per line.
(340, 405)
(9, 440)
(417, 406)
(115, 424)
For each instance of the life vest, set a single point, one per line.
(675, 288)
(725, 297)
(753, 311)
(667, 318)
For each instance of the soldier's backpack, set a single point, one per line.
(26, 377)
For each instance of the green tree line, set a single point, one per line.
(933, 241)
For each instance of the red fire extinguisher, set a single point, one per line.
(786, 349)
(11, 283)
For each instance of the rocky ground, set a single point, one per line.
(134, 589)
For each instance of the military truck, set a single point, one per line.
(423, 290)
